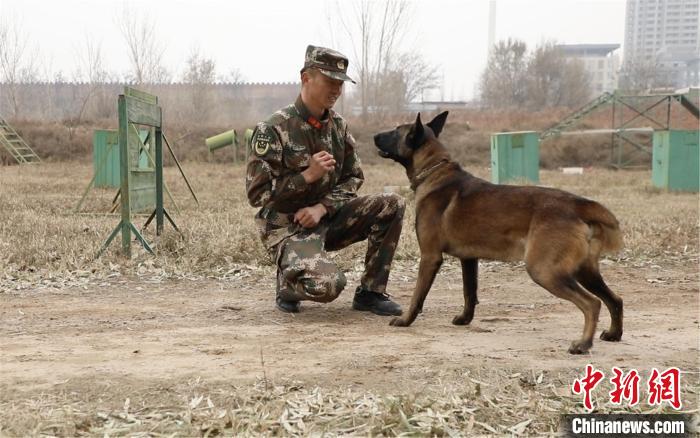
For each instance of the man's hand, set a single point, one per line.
(309, 217)
(319, 164)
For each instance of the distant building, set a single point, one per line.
(601, 61)
(664, 34)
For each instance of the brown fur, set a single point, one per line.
(559, 235)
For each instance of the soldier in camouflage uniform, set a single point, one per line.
(304, 173)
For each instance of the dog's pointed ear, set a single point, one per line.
(417, 137)
(438, 123)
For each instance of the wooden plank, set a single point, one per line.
(142, 112)
(134, 147)
(141, 95)
(159, 181)
(124, 168)
(142, 194)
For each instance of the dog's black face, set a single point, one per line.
(400, 144)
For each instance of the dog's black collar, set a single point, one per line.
(425, 173)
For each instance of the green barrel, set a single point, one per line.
(224, 139)
(248, 137)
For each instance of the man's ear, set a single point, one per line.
(438, 123)
(417, 137)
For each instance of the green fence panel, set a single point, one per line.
(105, 158)
(676, 160)
(515, 156)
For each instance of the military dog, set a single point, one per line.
(560, 236)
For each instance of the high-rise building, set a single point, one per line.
(663, 35)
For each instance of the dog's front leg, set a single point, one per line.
(470, 273)
(429, 266)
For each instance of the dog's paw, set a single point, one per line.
(579, 347)
(398, 322)
(462, 319)
(610, 337)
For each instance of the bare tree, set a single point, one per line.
(200, 74)
(145, 52)
(375, 31)
(639, 75)
(18, 62)
(418, 75)
(91, 72)
(403, 82)
(234, 76)
(503, 80)
(554, 80)
(543, 78)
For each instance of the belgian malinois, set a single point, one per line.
(560, 236)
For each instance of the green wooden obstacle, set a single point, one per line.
(515, 156)
(229, 138)
(105, 158)
(141, 181)
(107, 162)
(676, 160)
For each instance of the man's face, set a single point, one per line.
(322, 90)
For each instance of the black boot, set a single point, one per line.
(375, 302)
(287, 306)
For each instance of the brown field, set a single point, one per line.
(189, 342)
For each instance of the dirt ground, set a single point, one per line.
(131, 331)
(189, 343)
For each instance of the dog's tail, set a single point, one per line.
(604, 224)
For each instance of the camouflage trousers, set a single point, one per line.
(306, 272)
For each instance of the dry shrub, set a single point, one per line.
(467, 134)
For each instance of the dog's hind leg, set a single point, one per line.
(470, 272)
(590, 278)
(565, 287)
(428, 268)
(554, 252)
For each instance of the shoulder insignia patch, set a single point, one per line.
(261, 147)
(261, 144)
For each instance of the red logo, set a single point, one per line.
(588, 384)
(626, 387)
(665, 387)
(662, 387)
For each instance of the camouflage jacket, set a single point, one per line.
(281, 149)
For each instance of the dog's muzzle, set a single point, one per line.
(379, 139)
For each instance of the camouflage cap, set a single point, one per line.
(329, 62)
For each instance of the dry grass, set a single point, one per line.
(467, 402)
(42, 242)
(43, 245)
